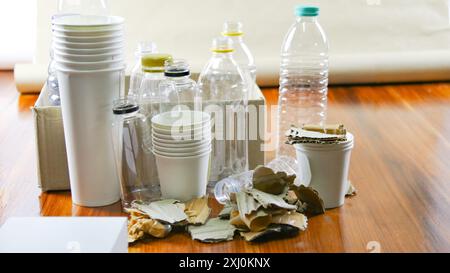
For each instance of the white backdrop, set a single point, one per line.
(17, 32)
(371, 40)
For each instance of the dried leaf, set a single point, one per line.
(267, 200)
(246, 204)
(215, 230)
(291, 198)
(271, 233)
(136, 214)
(315, 205)
(266, 180)
(168, 211)
(257, 220)
(226, 212)
(197, 211)
(294, 219)
(137, 228)
(351, 190)
(155, 228)
(236, 220)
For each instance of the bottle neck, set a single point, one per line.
(222, 54)
(307, 19)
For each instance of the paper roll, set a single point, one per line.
(30, 78)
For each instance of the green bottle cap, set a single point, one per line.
(310, 11)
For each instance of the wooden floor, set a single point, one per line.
(400, 165)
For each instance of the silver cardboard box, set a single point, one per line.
(52, 166)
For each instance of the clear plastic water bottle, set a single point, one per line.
(137, 74)
(242, 54)
(303, 76)
(225, 95)
(135, 162)
(178, 90)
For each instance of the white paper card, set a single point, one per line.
(64, 235)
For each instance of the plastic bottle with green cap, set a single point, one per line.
(242, 54)
(225, 95)
(303, 76)
(137, 74)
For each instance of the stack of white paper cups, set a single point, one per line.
(182, 148)
(88, 51)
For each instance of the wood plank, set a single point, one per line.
(399, 165)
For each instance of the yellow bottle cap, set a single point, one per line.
(154, 62)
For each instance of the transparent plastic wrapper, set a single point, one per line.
(243, 181)
(225, 95)
(135, 162)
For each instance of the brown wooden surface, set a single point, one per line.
(400, 165)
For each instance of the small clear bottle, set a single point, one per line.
(242, 54)
(138, 176)
(178, 91)
(137, 74)
(225, 96)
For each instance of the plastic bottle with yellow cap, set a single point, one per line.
(225, 95)
(242, 54)
(137, 74)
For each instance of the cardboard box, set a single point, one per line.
(52, 166)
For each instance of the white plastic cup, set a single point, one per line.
(329, 165)
(86, 103)
(183, 178)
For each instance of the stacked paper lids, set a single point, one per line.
(88, 42)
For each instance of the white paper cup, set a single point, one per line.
(88, 65)
(181, 151)
(114, 43)
(182, 137)
(205, 128)
(86, 103)
(114, 56)
(87, 22)
(95, 51)
(87, 39)
(183, 178)
(187, 142)
(182, 120)
(178, 145)
(329, 165)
